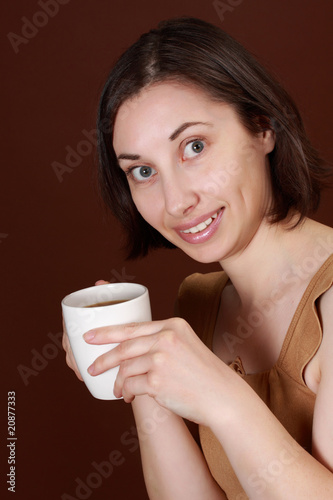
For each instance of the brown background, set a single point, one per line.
(55, 237)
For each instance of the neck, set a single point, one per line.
(278, 261)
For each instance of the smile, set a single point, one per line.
(203, 230)
(201, 226)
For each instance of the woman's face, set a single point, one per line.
(196, 174)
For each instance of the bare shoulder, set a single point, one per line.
(323, 413)
(326, 315)
(320, 239)
(321, 364)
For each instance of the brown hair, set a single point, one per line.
(193, 51)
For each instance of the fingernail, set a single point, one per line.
(117, 393)
(89, 336)
(91, 369)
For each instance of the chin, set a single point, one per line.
(203, 256)
(205, 253)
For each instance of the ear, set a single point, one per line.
(267, 133)
(268, 138)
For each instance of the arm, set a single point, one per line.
(173, 465)
(167, 362)
(277, 467)
(322, 444)
(268, 462)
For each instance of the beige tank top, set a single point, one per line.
(282, 387)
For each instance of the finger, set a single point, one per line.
(119, 333)
(136, 386)
(102, 282)
(130, 368)
(72, 364)
(65, 341)
(64, 326)
(126, 350)
(70, 360)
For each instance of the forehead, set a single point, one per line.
(159, 109)
(163, 93)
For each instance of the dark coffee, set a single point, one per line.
(108, 303)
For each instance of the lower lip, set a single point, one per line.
(206, 234)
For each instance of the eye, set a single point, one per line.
(141, 174)
(193, 148)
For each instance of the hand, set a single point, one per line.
(69, 354)
(165, 360)
(70, 360)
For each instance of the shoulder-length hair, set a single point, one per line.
(193, 51)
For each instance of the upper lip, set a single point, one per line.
(196, 221)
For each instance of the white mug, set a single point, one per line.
(80, 317)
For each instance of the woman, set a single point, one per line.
(202, 150)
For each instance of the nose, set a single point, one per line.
(180, 196)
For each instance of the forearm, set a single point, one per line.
(173, 465)
(268, 462)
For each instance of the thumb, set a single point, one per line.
(101, 282)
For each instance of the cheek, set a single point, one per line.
(148, 206)
(222, 175)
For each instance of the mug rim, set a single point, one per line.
(82, 291)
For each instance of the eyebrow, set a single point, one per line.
(173, 136)
(127, 156)
(183, 127)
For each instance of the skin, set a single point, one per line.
(189, 172)
(227, 173)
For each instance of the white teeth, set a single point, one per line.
(201, 226)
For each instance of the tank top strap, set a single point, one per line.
(304, 334)
(198, 302)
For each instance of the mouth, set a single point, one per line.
(202, 230)
(202, 226)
